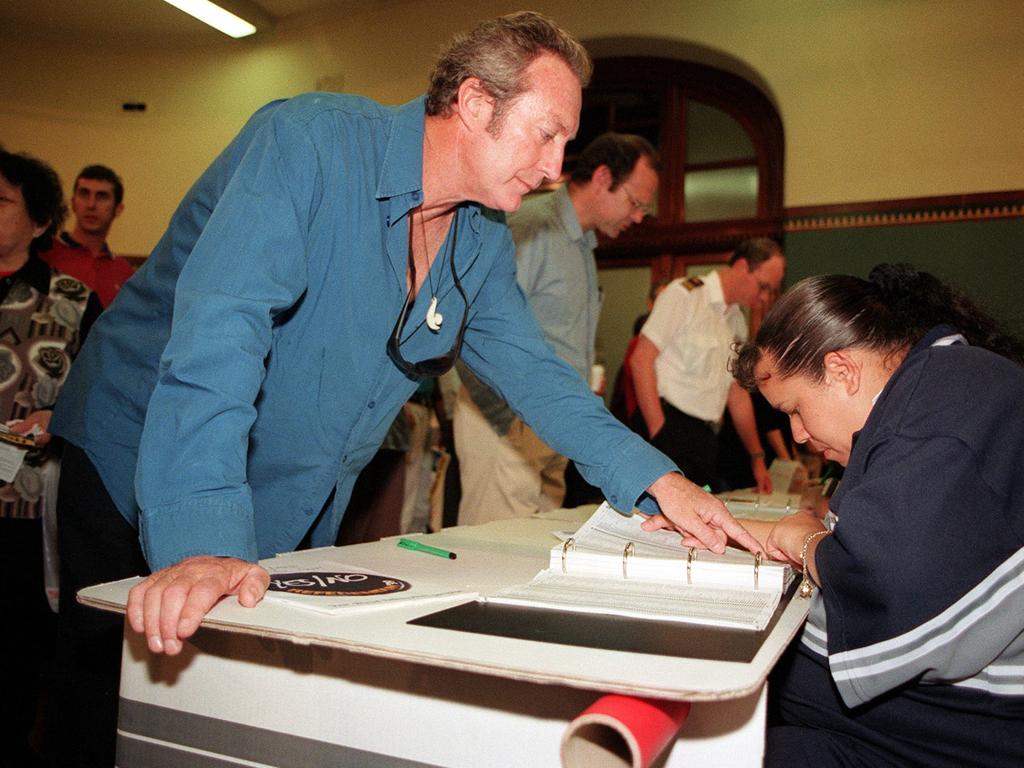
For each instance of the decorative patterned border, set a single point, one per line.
(920, 210)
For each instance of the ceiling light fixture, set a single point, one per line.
(215, 16)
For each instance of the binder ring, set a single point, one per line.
(690, 557)
(567, 547)
(627, 552)
(757, 568)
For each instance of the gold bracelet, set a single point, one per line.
(807, 584)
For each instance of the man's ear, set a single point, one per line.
(844, 370)
(602, 177)
(474, 105)
(118, 209)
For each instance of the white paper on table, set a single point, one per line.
(319, 587)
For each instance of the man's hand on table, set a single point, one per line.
(167, 606)
(700, 517)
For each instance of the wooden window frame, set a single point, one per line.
(676, 81)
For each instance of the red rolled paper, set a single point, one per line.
(622, 731)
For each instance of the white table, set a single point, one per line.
(280, 686)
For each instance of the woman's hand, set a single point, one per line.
(34, 419)
(787, 536)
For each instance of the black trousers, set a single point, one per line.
(26, 642)
(96, 545)
(690, 442)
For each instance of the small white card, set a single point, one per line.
(11, 458)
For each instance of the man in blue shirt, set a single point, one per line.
(505, 469)
(333, 254)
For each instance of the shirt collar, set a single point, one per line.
(400, 189)
(570, 222)
(69, 241)
(401, 174)
(937, 336)
(713, 289)
(34, 272)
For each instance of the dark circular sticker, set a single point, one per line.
(332, 583)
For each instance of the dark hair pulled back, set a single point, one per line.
(887, 313)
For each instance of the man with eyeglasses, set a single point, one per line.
(680, 365)
(336, 252)
(505, 469)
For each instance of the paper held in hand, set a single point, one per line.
(612, 566)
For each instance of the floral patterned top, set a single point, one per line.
(43, 316)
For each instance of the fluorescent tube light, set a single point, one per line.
(215, 16)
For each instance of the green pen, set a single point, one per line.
(416, 546)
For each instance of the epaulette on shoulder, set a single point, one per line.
(692, 282)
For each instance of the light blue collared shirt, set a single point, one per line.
(555, 267)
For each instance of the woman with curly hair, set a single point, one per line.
(43, 316)
(913, 653)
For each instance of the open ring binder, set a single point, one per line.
(611, 565)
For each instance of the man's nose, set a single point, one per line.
(551, 160)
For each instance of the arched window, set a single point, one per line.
(722, 151)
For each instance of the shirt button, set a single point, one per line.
(371, 404)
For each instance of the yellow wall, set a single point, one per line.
(879, 98)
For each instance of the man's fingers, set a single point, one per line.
(253, 587)
(696, 531)
(706, 534)
(172, 602)
(741, 536)
(656, 523)
(201, 596)
(168, 606)
(136, 597)
(710, 538)
(151, 606)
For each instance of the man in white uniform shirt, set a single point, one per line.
(681, 363)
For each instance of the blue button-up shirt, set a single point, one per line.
(241, 376)
(555, 267)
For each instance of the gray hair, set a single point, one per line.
(498, 52)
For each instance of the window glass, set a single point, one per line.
(713, 135)
(723, 193)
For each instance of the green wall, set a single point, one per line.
(985, 259)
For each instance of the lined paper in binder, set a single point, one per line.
(612, 566)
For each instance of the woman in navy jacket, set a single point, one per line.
(914, 650)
